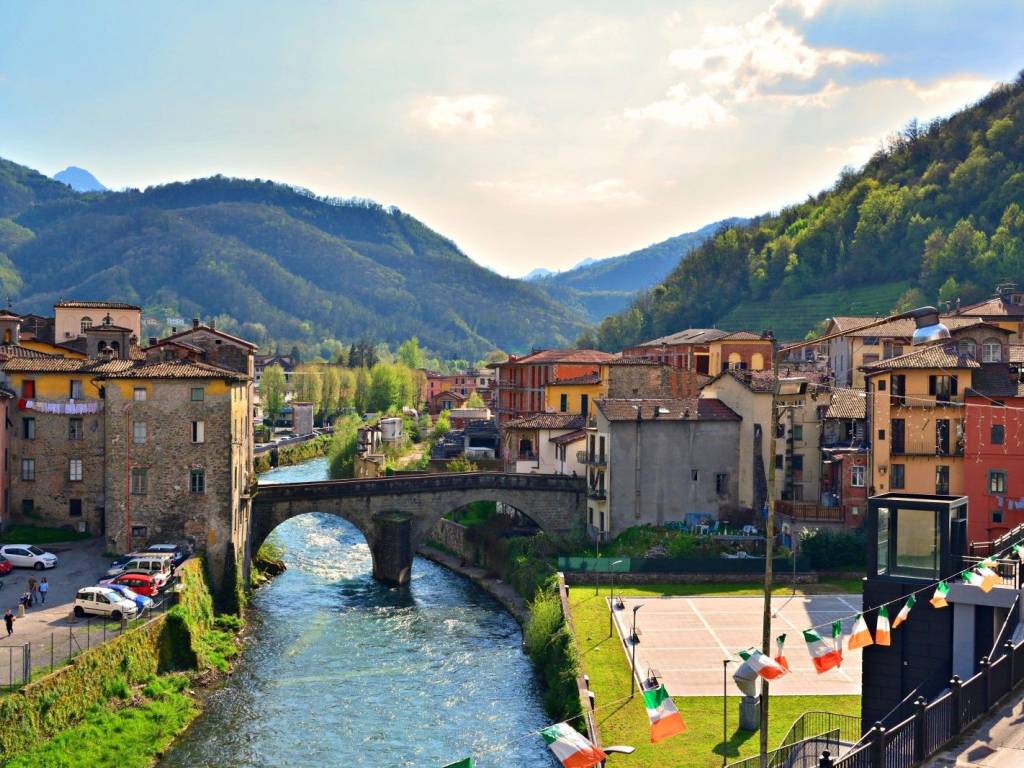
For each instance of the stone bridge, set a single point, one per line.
(397, 514)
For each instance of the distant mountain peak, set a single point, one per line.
(536, 273)
(79, 179)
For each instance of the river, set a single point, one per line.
(343, 671)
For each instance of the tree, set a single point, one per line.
(474, 400)
(307, 385)
(331, 403)
(495, 356)
(442, 425)
(461, 464)
(410, 354)
(272, 389)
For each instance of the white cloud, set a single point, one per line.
(608, 191)
(679, 109)
(474, 112)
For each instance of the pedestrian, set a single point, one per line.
(26, 600)
(9, 621)
(31, 589)
(44, 587)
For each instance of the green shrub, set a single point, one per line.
(834, 549)
(554, 655)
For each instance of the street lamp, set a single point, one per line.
(928, 330)
(632, 661)
(725, 710)
(611, 602)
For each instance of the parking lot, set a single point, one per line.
(685, 639)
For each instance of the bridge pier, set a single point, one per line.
(391, 546)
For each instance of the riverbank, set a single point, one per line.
(292, 454)
(495, 587)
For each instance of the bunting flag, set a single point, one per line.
(665, 718)
(939, 598)
(904, 611)
(1018, 550)
(989, 577)
(824, 656)
(766, 667)
(837, 637)
(860, 636)
(467, 763)
(571, 748)
(780, 654)
(976, 579)
(882, 631)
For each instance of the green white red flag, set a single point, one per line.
(571, 748)
(904, 613)
(765, 666)
(665, 718)
(824, 655)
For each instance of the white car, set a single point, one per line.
(103, 601)
(28, 556)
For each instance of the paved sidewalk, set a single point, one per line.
(998, 742)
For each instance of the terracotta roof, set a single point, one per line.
(453, 394)
(215, 332)
(176, 343)
(688, 336)
(755, 381)
(120, 368)
(743, 336)
(904, 329)
(847, 404)
(939, 356)
(994, 380)
(589, 378)
(633, 361)
(15, 350)
(74, 304)
(64, 365)
(105, 327)
(569, 437)
(993, 307)
(573, 421)
(561, 356)
(678, 409)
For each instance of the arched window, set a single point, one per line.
(7, 336)
(86, 323)
(968, 348)
(735, 360)
(991, 351)
(757, 361)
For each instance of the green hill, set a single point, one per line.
(938, 208)
(599, 288)
(267, 260)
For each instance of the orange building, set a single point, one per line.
(521, 380)
(709, 350)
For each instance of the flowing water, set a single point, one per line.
(343, 671)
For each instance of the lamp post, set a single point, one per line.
(725, 710)
(611, 600)
(632, 659)
(928, 330)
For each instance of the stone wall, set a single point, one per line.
(452, 536)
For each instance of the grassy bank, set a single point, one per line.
(37, 534)
(701, 747)
(123, 702)
(294, 454)
(267, 563)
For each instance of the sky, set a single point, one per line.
(534, 134)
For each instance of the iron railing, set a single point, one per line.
(812, 733)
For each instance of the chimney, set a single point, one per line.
(195, 323)
(213, 324)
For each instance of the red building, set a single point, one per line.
(521, 380)
(686, 350)
(994, 453)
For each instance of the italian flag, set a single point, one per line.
(824, 656)
(861, 635)
(572, 749)
(882, 631)
(766, 667)
(467, 763)
(665, 718)
(780, 654)
(939, 598)
(904, 611)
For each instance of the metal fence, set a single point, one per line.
(41, 656)
(810, 735)
(751, 565)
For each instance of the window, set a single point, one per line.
(585, 405)
(778, 461)
(139, 431)
(942, 437)
(86, 324)
(998, 434)
(28, 469)
(967, 348)
(997, 481)
(75, 469)
(780, 431)
(870, 341)
(75, 389)
(797, 462)
(798, 432)
(28, 507)
(28, 428)
(139, 482)
(198, 431)
(899, 429)
(139, 394)
(943, 387)
(917, 538)
(139, 531)
(869, 359)
(197, 394)
(898, 390)
(563, 403)
(196, 481)
(997, 515)
(76, 429)
(857, 476)
(883, 540)
(897, 476)
(942, 480)
(881, 434)
(721, 483)
(881, 385)
(991, 351)
(28, 388)
(694, 475)
(75, 507)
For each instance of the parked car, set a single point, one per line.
(28, 556)
(140, 582)
(5, 566)
(103, 601)
(146, 563)
(141, 601)
(118, 564)
(179, 552)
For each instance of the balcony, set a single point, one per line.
(598, 494)
(593, 460)
(809, 512)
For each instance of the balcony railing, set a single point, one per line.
(1008, 569)
(811, 512)
(594, 460)
(597, 493)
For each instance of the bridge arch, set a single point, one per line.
(397, 514)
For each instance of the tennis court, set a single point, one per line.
(685, 639)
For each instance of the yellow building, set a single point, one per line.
(740, 350)
(575, 395)
(621, 377)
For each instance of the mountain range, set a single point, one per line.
(268, 261)
(600, 287)
(79, 179)
(934, 216)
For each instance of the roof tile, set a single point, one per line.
(678, 409)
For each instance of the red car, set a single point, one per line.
(5, 566)
(140, 583)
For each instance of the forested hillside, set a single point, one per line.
(267, 260)
(599, 288)
(939, 208)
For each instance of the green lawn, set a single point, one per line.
(35, 534)
(701, 747)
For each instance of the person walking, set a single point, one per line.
(31, 590)
(9, 621)
(44, 587)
